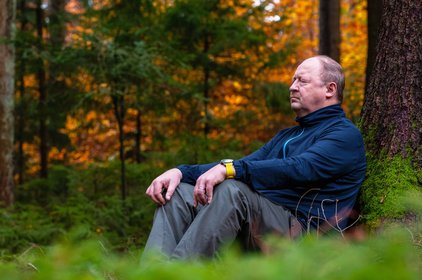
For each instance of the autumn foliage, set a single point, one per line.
(247, 83)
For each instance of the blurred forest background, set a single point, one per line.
(156, 84)
(108, 94)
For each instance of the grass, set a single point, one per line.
(394, 254)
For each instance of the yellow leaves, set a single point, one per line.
(235, 100)
(237, 85)
(353, 53)
(56, 154)
(30, 81)
(94, 135)
(71, 124)
(91, 116)
(74, 7)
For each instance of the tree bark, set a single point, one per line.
(7, 61)
(329, 28)
(392, 115)
(374, 10)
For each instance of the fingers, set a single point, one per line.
(170, 190)
(163, 187)
(204, 188)
(199, 195)
(155, 190)
(209, 191)
(203, 191)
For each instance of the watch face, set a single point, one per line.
(226, 161)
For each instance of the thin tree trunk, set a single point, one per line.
(21, 127)
(206, 87)
(138, 136)
(329, 28)
(42, 95)
(56, 26)
(7, 72)
(119, 112)
(20, 138)
(392, 115)
(55, 87)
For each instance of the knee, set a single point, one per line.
(182, 195)
(230, 190)
(185, 190)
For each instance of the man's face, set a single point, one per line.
(307, 92)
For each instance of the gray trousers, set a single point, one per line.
(182, 231)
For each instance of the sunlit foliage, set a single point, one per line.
(246, 109)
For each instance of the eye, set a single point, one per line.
(303, 81)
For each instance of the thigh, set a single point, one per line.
(264, 217)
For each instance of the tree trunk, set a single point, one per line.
(206, 87)
(21, 110)
(57, 91)
(42, 110)
(138, 136)
(56, 26)
(392, 113)
(7, 57)
(329, 28)
(374, 19)
(119, 112)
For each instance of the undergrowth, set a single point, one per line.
(392, 255)
(88, 198)
(74, 225)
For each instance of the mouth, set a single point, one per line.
(294, 99)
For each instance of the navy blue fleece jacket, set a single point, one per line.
(314, 169)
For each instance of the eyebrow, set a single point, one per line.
(300, 76)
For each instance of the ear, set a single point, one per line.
(331, 90)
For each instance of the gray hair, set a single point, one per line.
(332, 72)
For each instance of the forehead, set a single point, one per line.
(310, 67)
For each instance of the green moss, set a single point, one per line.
(388, 181)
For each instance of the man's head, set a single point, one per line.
(318, 82)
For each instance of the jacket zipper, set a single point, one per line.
(285, 143)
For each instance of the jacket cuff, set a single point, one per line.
(239, 171)
(184, 169)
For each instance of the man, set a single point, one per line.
(304, 179)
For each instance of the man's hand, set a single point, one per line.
(205, 184)
(165, 183)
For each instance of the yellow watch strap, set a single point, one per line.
(230, 170)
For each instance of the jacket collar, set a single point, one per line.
(320, 115)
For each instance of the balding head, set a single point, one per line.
(318, 82)
(331, 71)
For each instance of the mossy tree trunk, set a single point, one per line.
(7, 65)
(392, 112)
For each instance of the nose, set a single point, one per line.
(293, 86)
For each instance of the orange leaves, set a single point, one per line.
(353, 53)
(93, 135)
(237, 108)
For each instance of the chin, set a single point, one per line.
(295, 106)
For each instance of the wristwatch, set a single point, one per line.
(228, 163)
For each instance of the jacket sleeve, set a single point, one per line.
(192, 172)
(335, 153)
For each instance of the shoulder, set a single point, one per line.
(343, 125)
